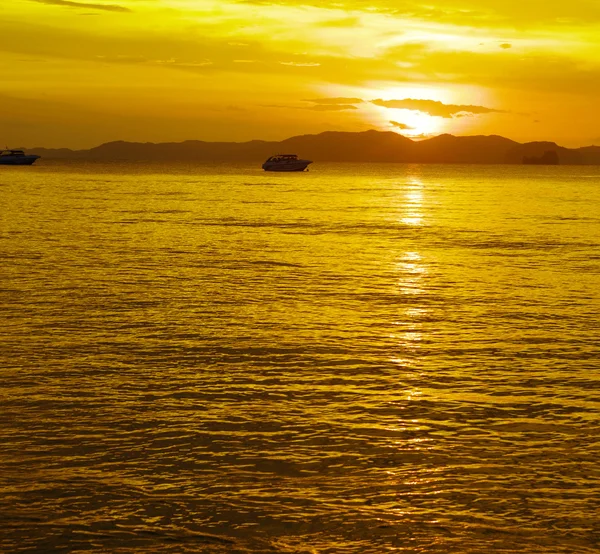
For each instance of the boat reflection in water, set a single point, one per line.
(285, 162)
(16, 157)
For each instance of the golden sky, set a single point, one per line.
(79, 73)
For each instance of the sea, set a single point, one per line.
(361, 358)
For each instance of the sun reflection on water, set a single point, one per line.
(413, 204)
(412, 273)
(409, 335)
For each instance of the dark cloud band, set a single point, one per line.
(89, 6)
(336, 100)
(434, 107)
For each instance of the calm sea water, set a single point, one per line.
(357, 359)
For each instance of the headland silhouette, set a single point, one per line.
(336, 146)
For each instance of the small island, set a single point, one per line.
(550, 157)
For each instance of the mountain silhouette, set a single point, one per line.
(336, 146)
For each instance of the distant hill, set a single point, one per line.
(330, 146)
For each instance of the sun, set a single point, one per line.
(411, 123)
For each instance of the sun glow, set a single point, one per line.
(412, 123)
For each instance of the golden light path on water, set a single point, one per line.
(361, 359)
(411, 270)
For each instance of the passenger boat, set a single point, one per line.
(16, 157)
(285, 162)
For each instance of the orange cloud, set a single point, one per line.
(433, 107)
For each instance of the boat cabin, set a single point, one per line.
(283, 157)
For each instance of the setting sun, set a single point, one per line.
(413, 123)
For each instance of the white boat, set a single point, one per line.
(285, 162)
(16, 157)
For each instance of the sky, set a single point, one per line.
(78, 73)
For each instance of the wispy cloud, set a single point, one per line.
(434, 107)
(317, 107)
(402, 126)
(87, 5)
(332, 107)
(301, 64)
(339, 100)
(172, 62)
(340, 22)
(465, 12)
(422, 136)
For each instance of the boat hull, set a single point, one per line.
(284, 168)
(297, 166)
(18, 160)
